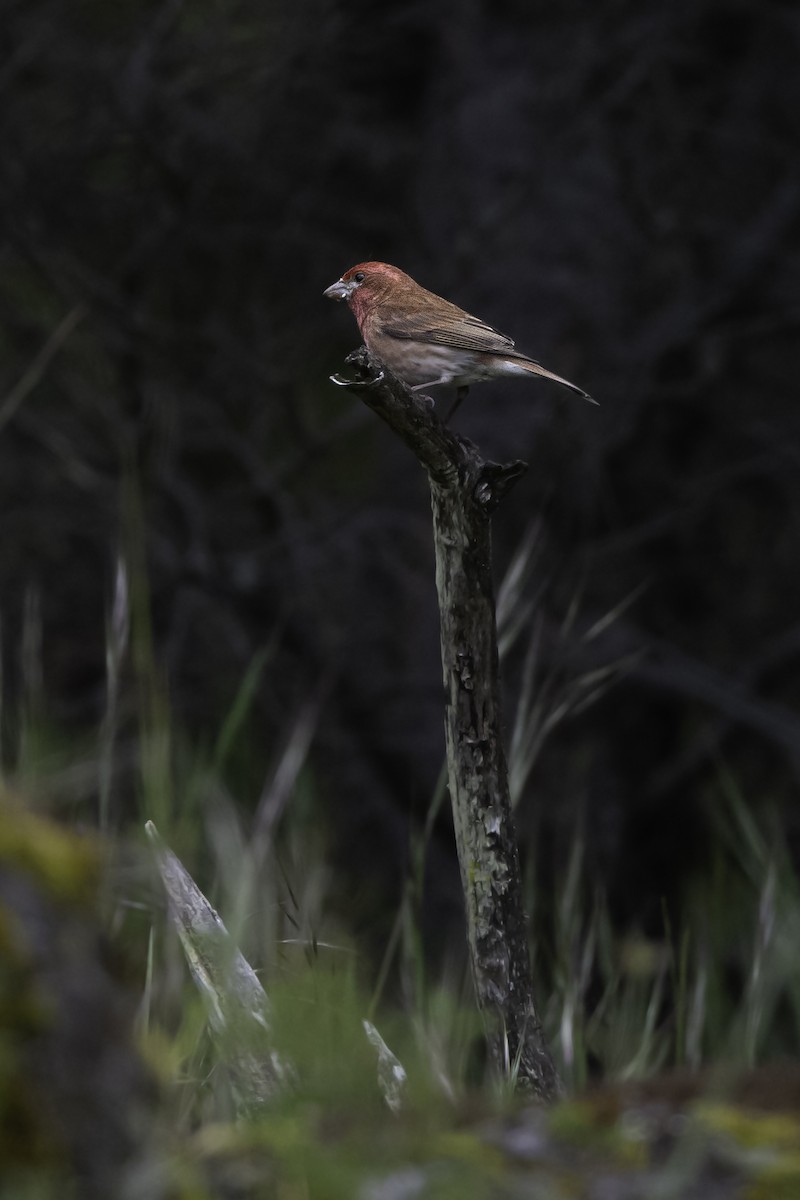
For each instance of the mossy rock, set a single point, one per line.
(75, 1098)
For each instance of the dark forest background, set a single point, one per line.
(616, 186)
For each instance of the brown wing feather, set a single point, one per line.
(461, 331)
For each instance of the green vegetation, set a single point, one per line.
(718, 991)
(217, 596)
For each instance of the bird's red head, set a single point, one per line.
(366, 284)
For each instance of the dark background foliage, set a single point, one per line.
(615, 185)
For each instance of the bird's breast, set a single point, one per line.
(418, 363)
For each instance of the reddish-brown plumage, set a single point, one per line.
(425, 340)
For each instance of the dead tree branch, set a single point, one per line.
(465, 490)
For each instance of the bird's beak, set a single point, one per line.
(339, 290)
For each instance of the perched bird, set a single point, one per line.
(425, 340)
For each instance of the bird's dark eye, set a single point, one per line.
(359, 277)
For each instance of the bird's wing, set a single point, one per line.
(456, 328)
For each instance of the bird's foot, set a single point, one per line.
(368, 369)
(340, 381)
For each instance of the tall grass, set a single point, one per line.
(719, 985)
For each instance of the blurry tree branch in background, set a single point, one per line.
(37, 369)
(237, 1004)
(465, 490)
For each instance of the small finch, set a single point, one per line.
(425, 340)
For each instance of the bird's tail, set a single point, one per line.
(535, 368)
